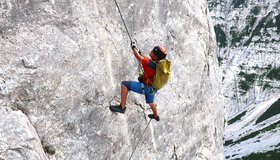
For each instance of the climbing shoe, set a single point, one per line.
(153, 117)
(117, 109)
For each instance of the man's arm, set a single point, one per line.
(138, 56)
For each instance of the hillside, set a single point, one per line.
(248, 36)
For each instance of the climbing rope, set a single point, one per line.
(123, 20)
(139, 140)
(139, 65)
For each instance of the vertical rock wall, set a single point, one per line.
(19, 139)
(62, 63)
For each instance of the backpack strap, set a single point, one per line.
(152, 65)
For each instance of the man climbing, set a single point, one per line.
(144, 86)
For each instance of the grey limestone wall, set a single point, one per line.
(62, 63)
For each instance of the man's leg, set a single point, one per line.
(150, 96)
(127, 86)
(124, 93)
(154, 108)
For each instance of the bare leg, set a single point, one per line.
(154, 108)
(124, 93)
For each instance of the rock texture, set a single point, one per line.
(62, 63)
(19, 139)
(248, 36)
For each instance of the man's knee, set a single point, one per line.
(126, 84)
(152, 104)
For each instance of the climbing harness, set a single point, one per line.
(139, 140)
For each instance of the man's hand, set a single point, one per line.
(136, 52)
(134, 45)
(153, 117)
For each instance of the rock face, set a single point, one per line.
(248, 36)
(19, 139)
(62, 63)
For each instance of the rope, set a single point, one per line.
(123, 21)
(139, 139)
(139, 64)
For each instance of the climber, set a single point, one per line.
(144, 85)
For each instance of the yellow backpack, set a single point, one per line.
(162, 74)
